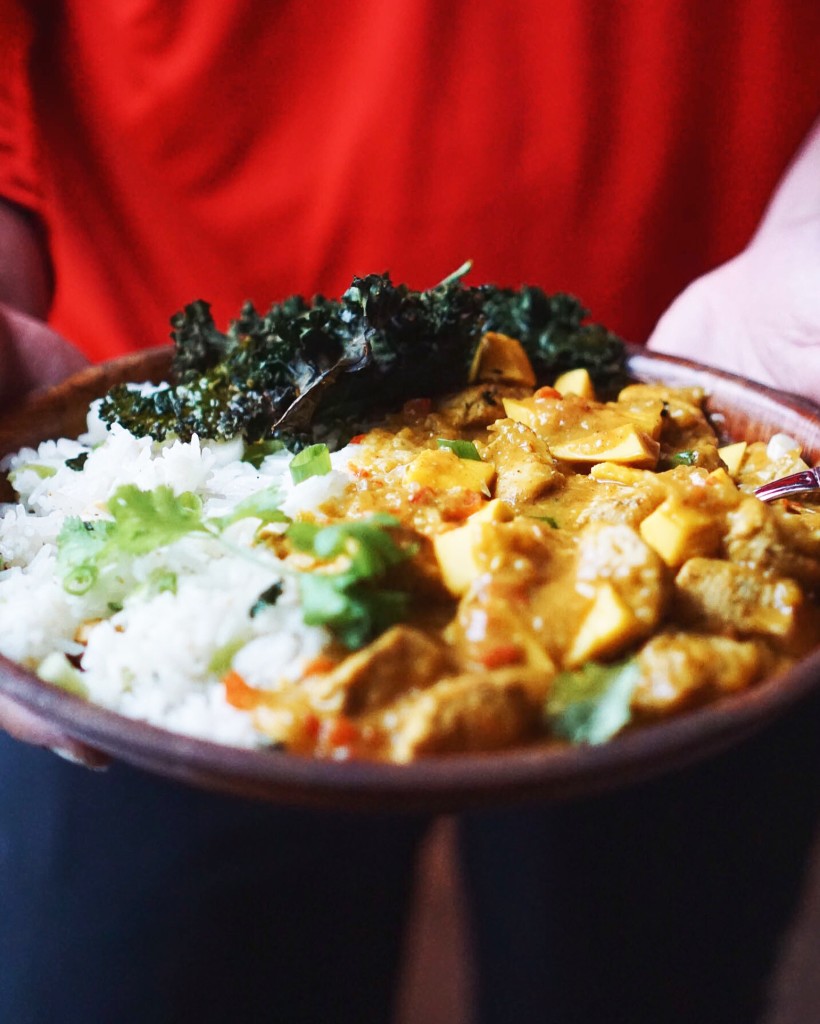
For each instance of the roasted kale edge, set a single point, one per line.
(333, 365)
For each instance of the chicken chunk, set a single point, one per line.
(478, 405)
(615, 553)
(401, 659)
(724, 597)
(678, 669)
(774, 541)
(468, 712)
(525, 468)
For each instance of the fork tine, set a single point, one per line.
(795, 483)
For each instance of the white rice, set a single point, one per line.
(154, 658)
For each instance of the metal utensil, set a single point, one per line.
(786, 486)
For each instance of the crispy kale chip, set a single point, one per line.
(554, 332)
(339, 362)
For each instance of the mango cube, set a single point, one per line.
(501, 358)
(457, 555)
(625, 444)
(732, 455)
(522, 410)
(678, 533)
(441, 469)
(615, 473)
(576, 382)
(608, 626)
(646, 414)
(495, 511)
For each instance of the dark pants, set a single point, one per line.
(665, 903)
(128, 900)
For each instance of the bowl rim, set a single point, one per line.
(445, 782)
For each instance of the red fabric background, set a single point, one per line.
(248, 150)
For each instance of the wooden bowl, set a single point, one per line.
(740, 409)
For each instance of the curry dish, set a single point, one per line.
(495, 565)
(578, 567)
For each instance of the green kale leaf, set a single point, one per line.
(338, 363)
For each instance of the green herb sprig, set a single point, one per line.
(144, 521)
(463, 449)
(592, 703)
(350, 601)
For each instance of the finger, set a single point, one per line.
(758, 315)
(705, 323)
(32, 355)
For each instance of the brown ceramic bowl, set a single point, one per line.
(740, 409)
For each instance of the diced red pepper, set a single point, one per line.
(357, 439)
(500, 655)
(462, 506)
(547, 393)
(311, 726)
(422, 496)
(319, 665)
(238, 694)
(339, 732)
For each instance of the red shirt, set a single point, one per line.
(179, 149)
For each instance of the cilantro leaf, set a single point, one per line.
(146, 520)
(143, 521)
(353, 612)
(262, 505)
(348, 602)
(592, 704)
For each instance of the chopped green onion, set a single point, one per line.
(463, 449)
(81, 579)
(222, 657)
(549, 520)
(311, 461)
(685, 458)
(43, 472)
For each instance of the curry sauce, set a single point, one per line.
(556, 540)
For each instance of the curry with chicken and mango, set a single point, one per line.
(574, 567)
